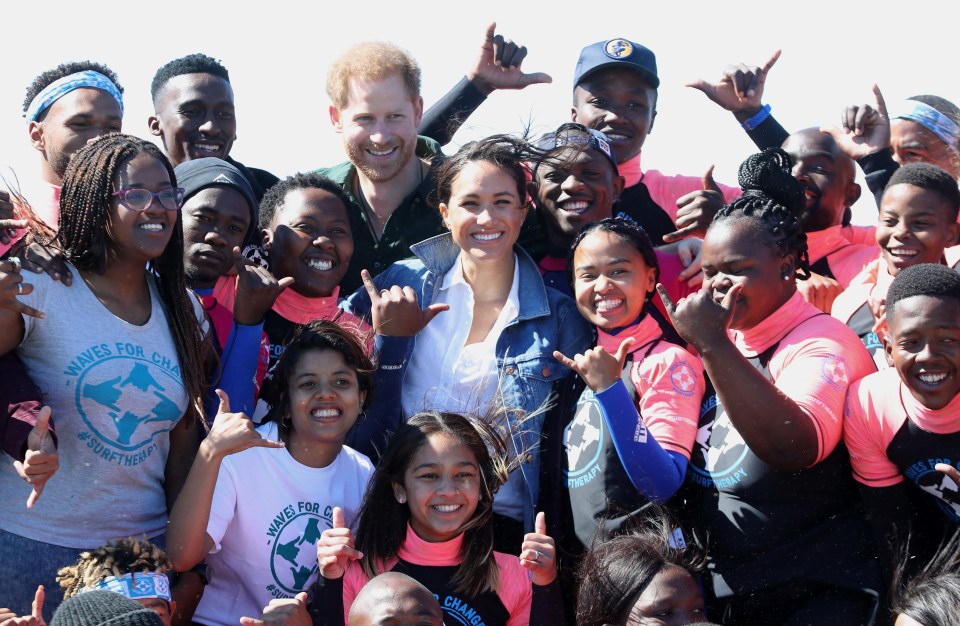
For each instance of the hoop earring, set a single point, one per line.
(288, 425)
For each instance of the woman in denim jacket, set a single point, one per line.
(496, 324)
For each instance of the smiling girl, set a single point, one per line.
(428, 513)
(256, 500)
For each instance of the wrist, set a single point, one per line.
(208, 452)
(751, 117)
(480, 84)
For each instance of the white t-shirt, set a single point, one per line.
(116, 392)
(267, 514)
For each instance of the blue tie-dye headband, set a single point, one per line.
(146, 585)
(61, 87)
(933, 120)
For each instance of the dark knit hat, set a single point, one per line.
(198, 174)
(104, 608)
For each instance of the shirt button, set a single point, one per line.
(511, 370)
(546, 371)
(376, 263)
(529, 458)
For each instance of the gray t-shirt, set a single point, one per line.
(116, 392)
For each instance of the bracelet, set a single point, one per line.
(758, 118)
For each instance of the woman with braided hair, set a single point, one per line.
(119, 359)
(768, 483)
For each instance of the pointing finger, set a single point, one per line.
(667, 301)
(368, 284)
(881, 103)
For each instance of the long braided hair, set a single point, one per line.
(84, 239)
(773, 198)
(115, 558)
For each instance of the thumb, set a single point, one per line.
(239, 262)
(540, 525)
(224, 401)
(730, 299)
(834, 131)
(38, 603)
(708, 183)
(623, 349)
(43, 422)
(432, 311)
(686, 255)
(667, 302)
(249, 621)
(302, 598)
(534, 78)
(338, 521)
(489, 34)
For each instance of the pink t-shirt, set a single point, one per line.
(813, 364)
(666, 190)
(877, 408)
(669, 383)
(845, 259)
(515, 590)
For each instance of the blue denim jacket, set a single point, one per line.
(548, 320)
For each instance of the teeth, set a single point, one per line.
(207, 147)
(152, 226)
(446, 508)
(326, 413)
(902, 252)
(577, 207)
(932, 378)
(320, 264)
(615, 136)
(380, 152)
(609, 304)
(487, 236)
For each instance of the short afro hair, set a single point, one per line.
(925, 279)
(65, 69)
(932, 178)
(191, 64)
(276, 195)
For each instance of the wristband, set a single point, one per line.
(758, 118)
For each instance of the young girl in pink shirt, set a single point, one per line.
(428, 513)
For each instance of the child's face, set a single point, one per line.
(671, 599)
(611, 280)
(924, 345)
(441, 485)
(485, 211)
(914, 227)
(215, 221)
(325, 398)
(310, 239)
(619, 103)
(576, 187)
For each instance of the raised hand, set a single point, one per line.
(41, 461)
(257, 290)
(863, 129)
(597, 367)
(335, 549)
(498, 65)
(690, 251)
(739, 89)
(395, 311)
(820, 291)
(283, 612)
(695, 210)
(9, 618)
(9, 224)
(699, 319)
(12, 286)
(233, 432)
(538, 553)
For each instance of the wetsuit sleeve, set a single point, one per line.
(20, 405)
(768, 134)
(327, 607)
(877, 169)
(546, 606)
(444, 118)
(655, 472)
(239, 363)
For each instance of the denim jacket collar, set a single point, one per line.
(439, 253)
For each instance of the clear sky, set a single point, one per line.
(278, 53)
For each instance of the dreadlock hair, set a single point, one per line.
(317, 335)
(931, 178)
(510, 154)
(191, 64)
(383, 520)
(274, 198)
(773, 198)
(615, 571)
(65, 69)
(115, 558)
(932, 597)
(627, 231)
(84, 238)
(925, 279)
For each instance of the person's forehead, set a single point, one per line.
(197, 86)
(85, 101)
(810, 142)
(390, 89)
(917, 313)
(622, 77)
(904, 198)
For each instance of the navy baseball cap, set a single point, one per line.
(617, 52)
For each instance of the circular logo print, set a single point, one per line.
(618, 48)
(294, 557)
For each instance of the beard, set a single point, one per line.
(380, 172)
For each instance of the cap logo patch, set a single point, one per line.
(618, 48)
(222, 178)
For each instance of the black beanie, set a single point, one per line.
(198, 174)
(104, 608)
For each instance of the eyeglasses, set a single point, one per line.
(137, 199)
